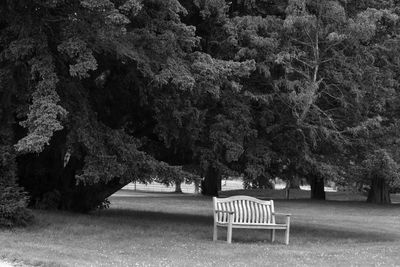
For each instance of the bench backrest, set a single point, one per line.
(247, 210)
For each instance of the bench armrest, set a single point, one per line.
(281, 214)
(224, 211)
(287, 215)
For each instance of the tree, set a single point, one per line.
(207, 127)
(61, 45)
(374, 139)
(325, 63)
(383, 173)
(89, 140)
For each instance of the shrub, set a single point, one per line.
(13, 211)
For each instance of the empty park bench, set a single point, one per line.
(247, 212)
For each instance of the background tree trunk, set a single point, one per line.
(317, 188)
(294, 182)
(287, 191)
(379, 192)
(178, 188)
(196, 186)
(211, 183)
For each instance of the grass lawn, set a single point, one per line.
(148, 229)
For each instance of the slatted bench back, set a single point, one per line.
(247, 210)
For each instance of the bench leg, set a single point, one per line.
(229, 234)
(215, 234)
(287, 236)
(287, 230)
(272, 235)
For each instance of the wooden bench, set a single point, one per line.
(247, 212)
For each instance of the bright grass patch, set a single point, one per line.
(148, 229)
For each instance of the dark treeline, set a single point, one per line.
(98, 93)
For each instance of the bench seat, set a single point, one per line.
(255, 226)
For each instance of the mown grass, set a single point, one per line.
(176, 230)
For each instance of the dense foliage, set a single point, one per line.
(96, 94)
(13, 199)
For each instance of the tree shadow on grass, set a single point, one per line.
(129, 216)
(314, 232)
(308, 236)
(300, 233)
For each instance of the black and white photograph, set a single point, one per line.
(180, 133)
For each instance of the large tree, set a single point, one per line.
(328, 84)
(96, 81)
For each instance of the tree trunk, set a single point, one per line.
(178, 188)
(51, 185)
(196, 186)
(379, 192)
(85, 198)
(295, 182)
(317, 188)
(287, 192)
(51, 190)
(211, 183)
